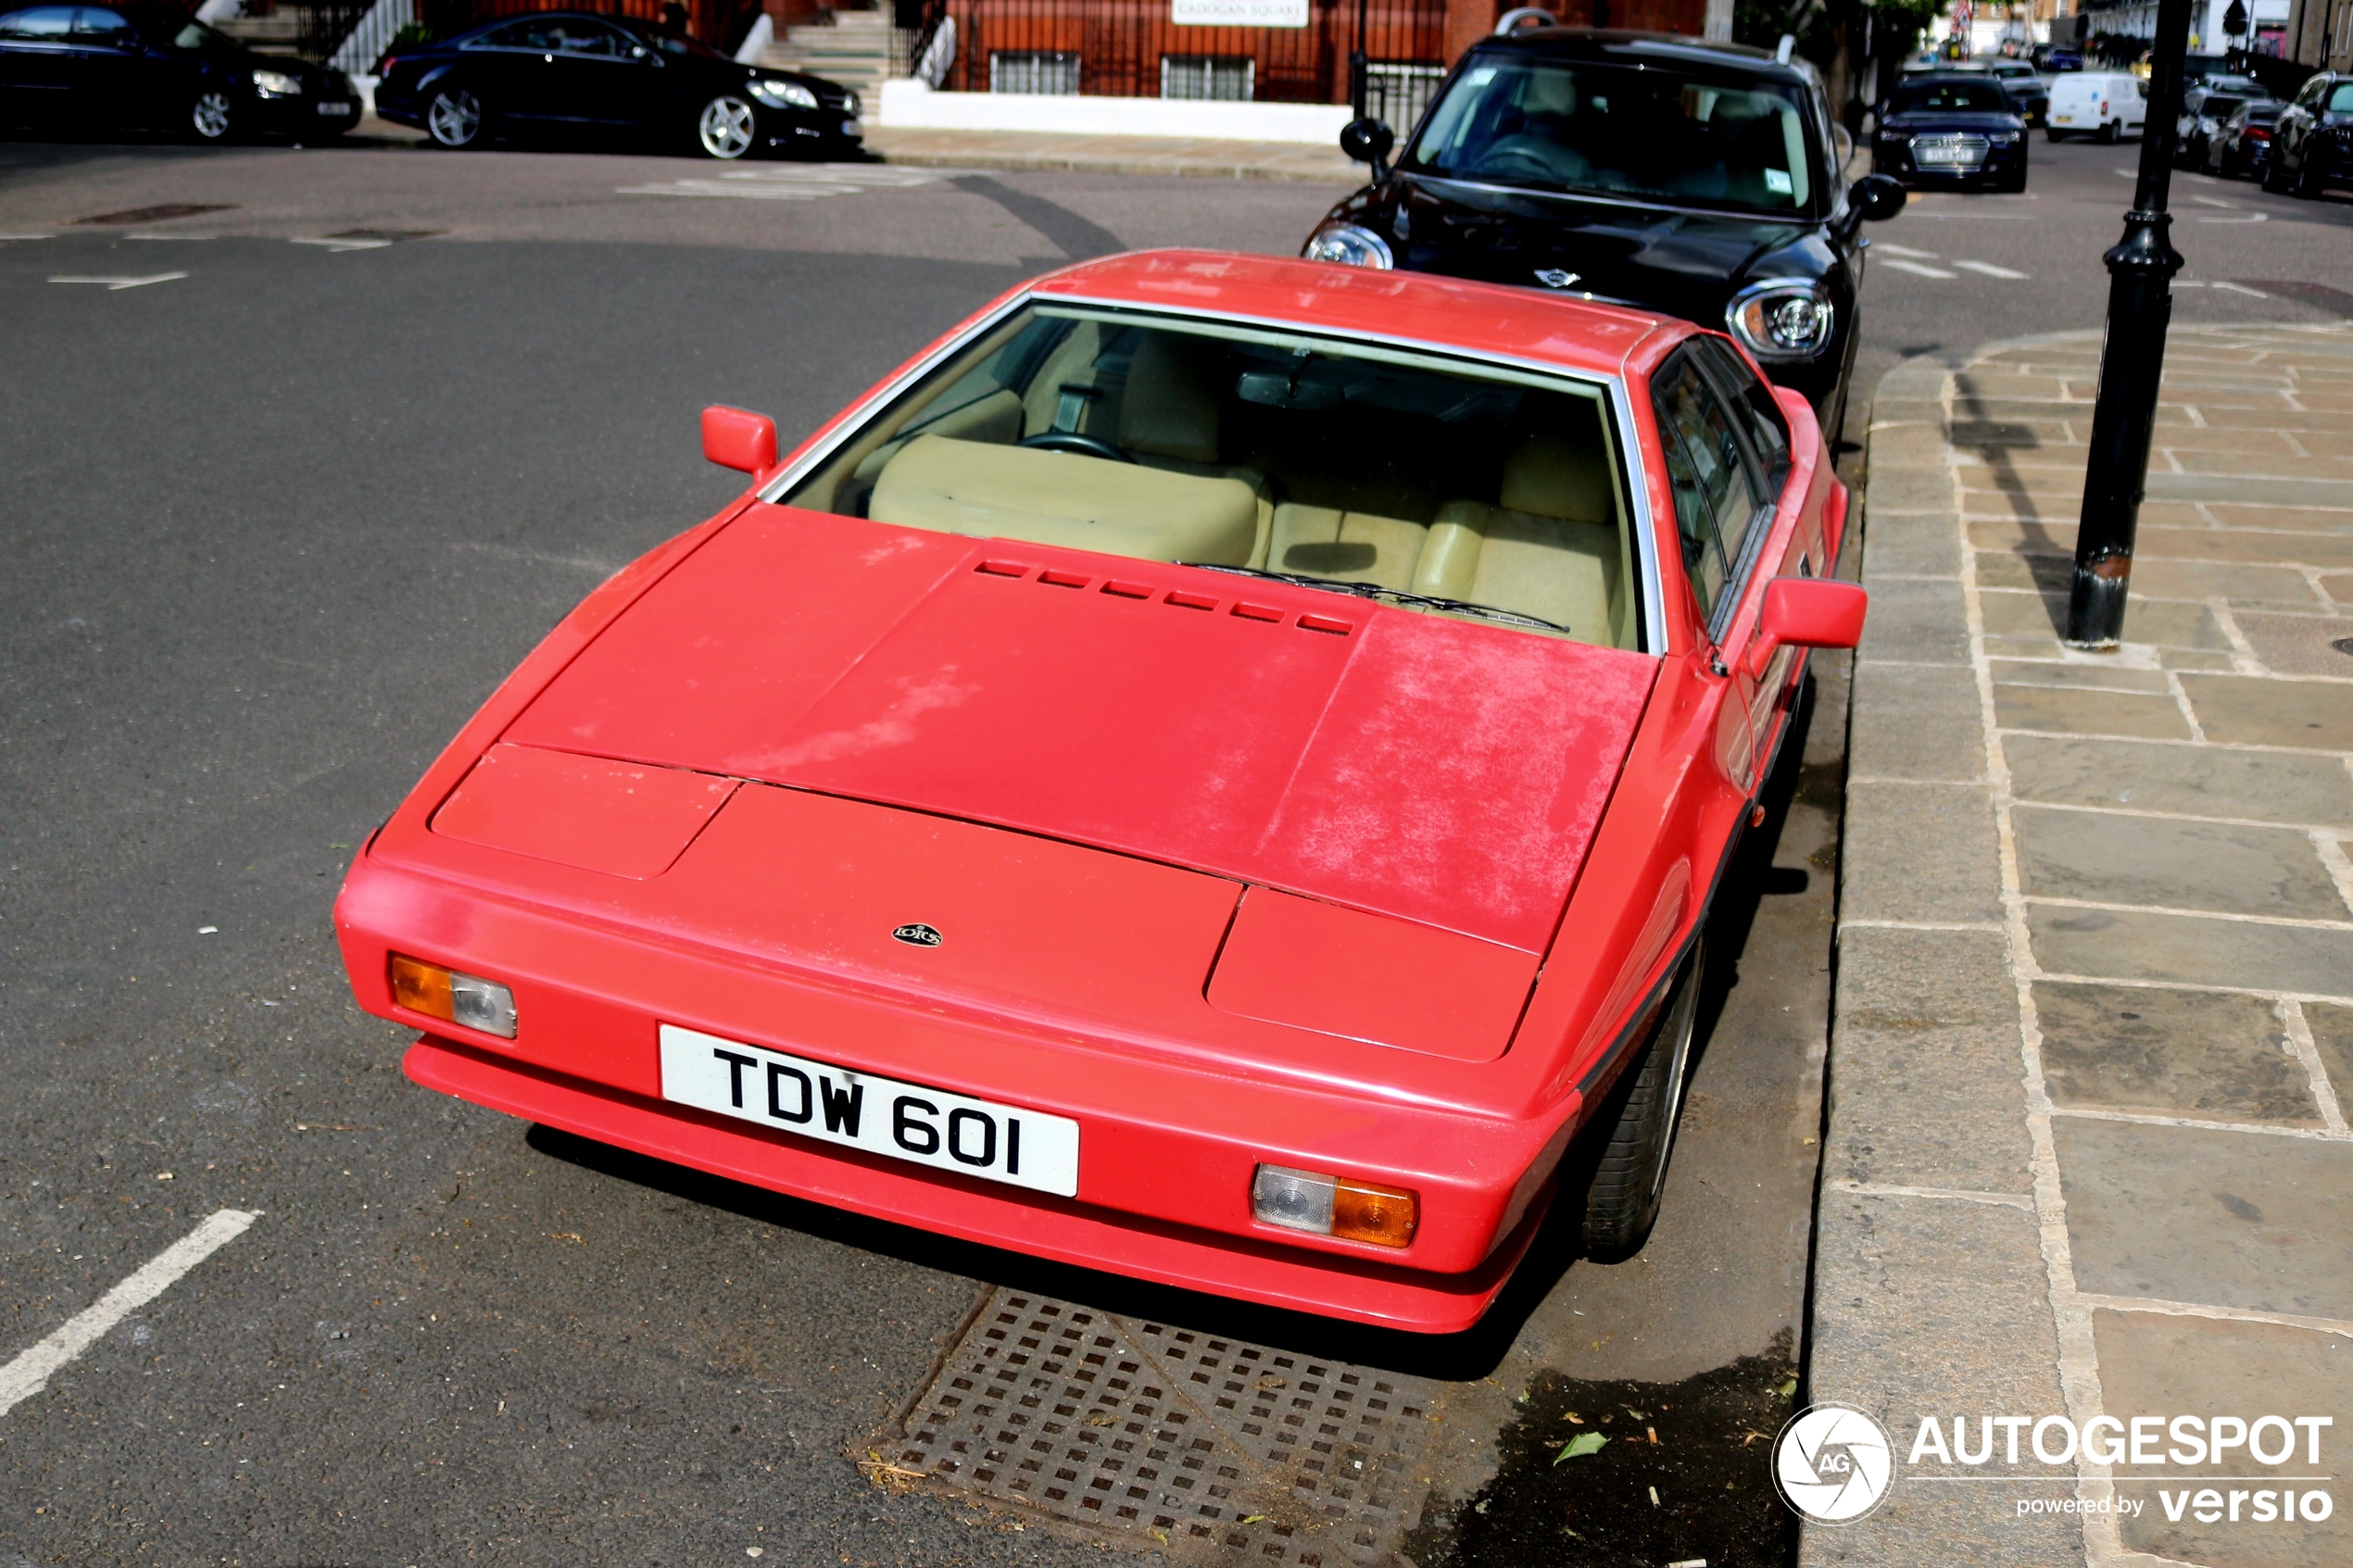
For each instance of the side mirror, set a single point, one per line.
(1878, 197)
(735, 438)
(1369, 141)
(1807, 612)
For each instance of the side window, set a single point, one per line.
(1715, 495)
(589, 38)
(43, 24)
(93, 24)
(1759, 415)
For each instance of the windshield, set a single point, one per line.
(1648, 134)
(1951, 97)
(188, 36)
(2217, 105)
(1446, 487)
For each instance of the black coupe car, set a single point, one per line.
(146, 68)
(2206, 107)
(562, 71)
(1700, 179)
(2313, 140)
(2242, 145)
(1951, 129)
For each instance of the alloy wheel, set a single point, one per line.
(726, 127)
(454, 118)
(209, 119)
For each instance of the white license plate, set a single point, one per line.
(335, 109)
(973, 1137)
(852, 129)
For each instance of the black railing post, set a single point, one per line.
(2140, 304)
(1359, 85)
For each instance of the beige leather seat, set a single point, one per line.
(1169, 417)
(1553, 548)
(1352, 547)
(1084, 503)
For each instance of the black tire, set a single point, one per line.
(1630, 1178)
(2112, 132)
(212, 116)
(2271, 180)
(2306, 188)
(2055, 133)
(456, 118)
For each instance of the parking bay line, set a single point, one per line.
(31, 1372)
(115, 285)
(1917, 270)
(1989, 269)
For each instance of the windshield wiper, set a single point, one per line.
(1391, 596)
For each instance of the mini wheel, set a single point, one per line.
(453, 119)
(212, 115)
(727, 128)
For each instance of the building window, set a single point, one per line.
(1034, 71)
(1397, 93)
(1207, 76)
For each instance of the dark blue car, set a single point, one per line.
(1951, 127)
(102, 68)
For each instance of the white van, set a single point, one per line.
(2107, 104)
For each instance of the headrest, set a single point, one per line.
(1170, 407)
(1554, 478)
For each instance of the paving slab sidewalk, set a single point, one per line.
(2086, 1154)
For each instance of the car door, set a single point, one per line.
(36, 65)
(1717, 505)
(511, 69)
(588, 73)
(2302, 113)
(117, 82)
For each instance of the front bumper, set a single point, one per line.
(1896, 159)
(327, 110)
(1171, 1129)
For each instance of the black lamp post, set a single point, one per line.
(2140, 303)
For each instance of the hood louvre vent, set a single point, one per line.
(1182, 598)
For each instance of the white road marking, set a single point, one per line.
(799, 182)
(31, 1372)
(7, 237)
(2214, 201)
(2251, 217)
(1914, 266)
(1904, 250)
(1988, 270)
(2242, 288)
(339, 246)
(117, 285)
(167, 237)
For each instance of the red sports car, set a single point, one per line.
(1214, 771)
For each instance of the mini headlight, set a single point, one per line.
(783, 94)
(1311, 1201)
(452, 997)
(1782, 321)
(1349, 245)
(276, 84)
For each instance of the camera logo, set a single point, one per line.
(1833, 1463)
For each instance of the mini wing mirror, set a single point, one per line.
(1368, 140)
(738, 439)
(1878, 197)
(1807, 612)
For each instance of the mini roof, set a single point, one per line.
(1478, 318)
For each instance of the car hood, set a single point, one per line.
(1954, 120)
(1685, 263)
(1430, 768)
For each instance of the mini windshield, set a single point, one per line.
(1648, 135)
(1950, 97)
(1442, 485)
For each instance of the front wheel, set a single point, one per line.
(1622, 1204)
(455, 119)
(726, 127)
(212, 115)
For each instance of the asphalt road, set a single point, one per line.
(279, 513)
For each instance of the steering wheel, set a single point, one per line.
(1072, 440)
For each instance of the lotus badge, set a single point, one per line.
(918, 934)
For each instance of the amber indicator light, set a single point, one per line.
(1384, 1216)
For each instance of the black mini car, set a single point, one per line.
(1951, 127)
(146, 68)
(1699, 180)
(562, 71)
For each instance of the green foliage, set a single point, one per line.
(1896, 26)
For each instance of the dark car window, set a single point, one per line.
(1951, 97)
(94, 24)
(2217, 105)
(193, 37)
(2341, 100)
(1650, 133)
(43, 24)
(541, 36)
(589, 38)
(670, 43)
(2263, 113)
(1715, 496)
(1752, 402)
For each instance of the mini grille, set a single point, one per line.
(1150, 1432)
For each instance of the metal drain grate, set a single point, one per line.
(1147, 1430)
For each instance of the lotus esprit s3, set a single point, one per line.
(1215, 770)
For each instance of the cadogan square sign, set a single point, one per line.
(1238, 13)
